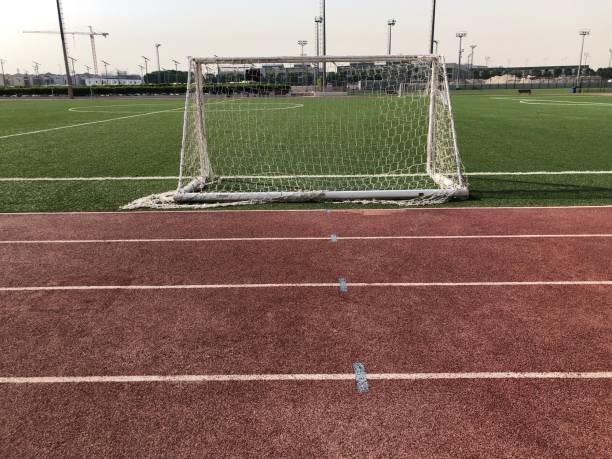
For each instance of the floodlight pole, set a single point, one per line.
(472, 56)
(433, 28)
(610, 61)
(583, 34)
(157, 45)
(63, 38)
(146, 60)
(461, 36)
(324, 38)
(302, 43)
(73, 71)
(436, 50)
(318, 21)
(176, 64)
(106, 64)
(2, 61)
(391, 23)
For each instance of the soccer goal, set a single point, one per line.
(372, 128)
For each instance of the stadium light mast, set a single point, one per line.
(146, 66)
(106, 64)
(436, 50)
(324, 40)
(60, 17)
(157, 45)
(2, 61)
(318, 21)
(610, 61)
(460, 36)
(472, 56)
(583, 33)
(391, 23)
(73, 71)
(176, 64)
(433, 41)
(302, 43)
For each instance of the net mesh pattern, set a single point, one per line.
(274, 127)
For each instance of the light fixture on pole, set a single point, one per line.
(583, 33)
(176, 64)
(146, 62)
(106, 64)
(73, 60)
(391, 23)
(157, 45)
(460, 36)
(302, 43)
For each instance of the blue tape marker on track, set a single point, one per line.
(343, 285)
(334, 238)
(361, 377)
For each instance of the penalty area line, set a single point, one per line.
(301, 285)
(303, 377)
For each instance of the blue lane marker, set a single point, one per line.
(334, 238)
(343, 285)
(361, 377)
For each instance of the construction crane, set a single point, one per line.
(92, 36)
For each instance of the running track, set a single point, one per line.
(483, 333)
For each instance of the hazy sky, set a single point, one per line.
(515, 32)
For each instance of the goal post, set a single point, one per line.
(266, 130)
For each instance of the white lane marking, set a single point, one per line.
(365, 211)
(299, 285)
(302, 377)
(263, 177)
(89, 123)
(335, 238)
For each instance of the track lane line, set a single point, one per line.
(305, 238)
(299, 285)
(302, 377)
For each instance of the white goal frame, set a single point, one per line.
(193, 189)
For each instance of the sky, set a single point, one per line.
(511, 33)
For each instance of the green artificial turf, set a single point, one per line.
(495, 135)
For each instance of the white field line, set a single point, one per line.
(302, 377)
(302, 285)
(89, 123)
(289, 177)
(304, 238)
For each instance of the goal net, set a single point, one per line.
(371, 128)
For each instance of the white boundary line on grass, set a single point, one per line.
(303, 238)
(301, 285)
(258, 177)
(89, 123)
(302, 377)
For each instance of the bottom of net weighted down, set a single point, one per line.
(301, 196)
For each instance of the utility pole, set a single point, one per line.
(73, 71)
(2, 61)
(63, 37)
(157, 45)
(583, 33)
(391, 23)
(106, 64)
(324, 38)
(302, 43)
(176, 64)
(433, 28)
(461, 36)
(146, 61)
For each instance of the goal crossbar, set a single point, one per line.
(379, 128)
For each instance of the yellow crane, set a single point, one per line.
(92, 36)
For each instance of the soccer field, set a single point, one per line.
(91, 155)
